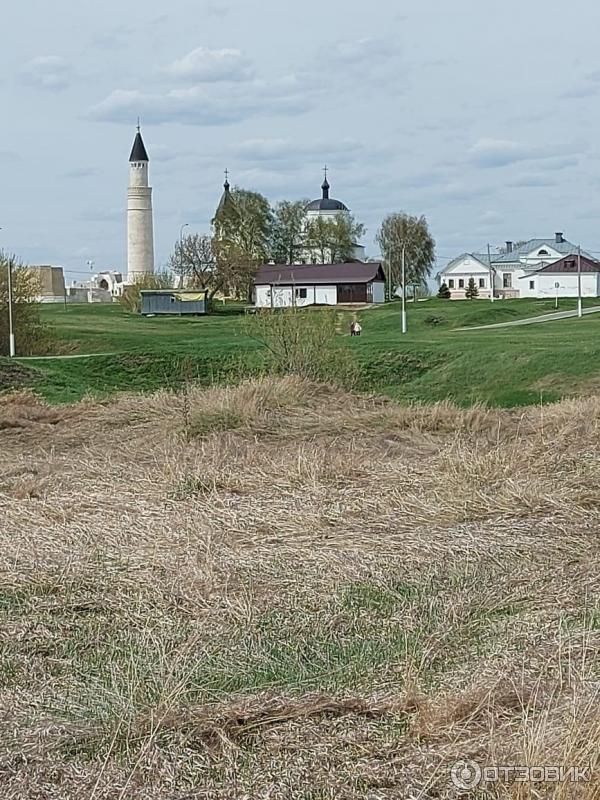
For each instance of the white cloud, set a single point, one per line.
(51, 73)
(531, 181)
(203, 65)
(205, 105)
(503, 152)
(499, 152)
(365, 49)
(289, 151)
(491, 218)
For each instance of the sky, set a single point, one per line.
(481, 115)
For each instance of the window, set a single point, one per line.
(532, 284)
(301, 293)
(451, 283)
(461, 283)
(481, 283)
(507, 280)
(543, 253)
(569, 264)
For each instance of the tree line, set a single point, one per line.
(247, 232)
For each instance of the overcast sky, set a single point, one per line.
(484, 116)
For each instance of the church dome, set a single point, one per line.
(326, 203)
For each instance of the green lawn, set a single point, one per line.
(434, 361)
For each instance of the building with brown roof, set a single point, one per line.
(281, 286)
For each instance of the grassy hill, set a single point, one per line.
(280, 590)
(434, 361)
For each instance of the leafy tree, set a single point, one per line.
(32, 337)
(444, 292)
(411, 233)
(471, 291)
(242, 235)
(330, 241)
(288, 227)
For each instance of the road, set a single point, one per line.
(532, 320)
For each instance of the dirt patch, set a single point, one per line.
(14, 375)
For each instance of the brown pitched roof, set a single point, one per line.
(568, 264)
(350, 272)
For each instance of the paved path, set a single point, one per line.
(532, 320)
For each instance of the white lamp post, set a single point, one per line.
(404, 327)
(579, 304)
(9, 286)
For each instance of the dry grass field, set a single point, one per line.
(282, 591)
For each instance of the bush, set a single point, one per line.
(433, 320)
(302, 342)
(472, 291)
(32, 337)
(444, 292)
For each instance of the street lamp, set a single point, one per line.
(11, 332)
(579, 308)
(185, 225)
(403, 289)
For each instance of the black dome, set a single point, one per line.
(326, 204)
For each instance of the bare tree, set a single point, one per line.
(193, 259)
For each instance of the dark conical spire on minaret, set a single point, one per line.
(138, 151)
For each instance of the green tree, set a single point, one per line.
(330, 241)
(32, 337)
(471, 291)
(288, 227)
(444, 292)
(400, 231)
(243, 227)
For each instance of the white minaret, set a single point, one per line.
(140, 233)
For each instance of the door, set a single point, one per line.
(352, 293)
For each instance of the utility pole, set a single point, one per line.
(403, 289)
(579, 308)
(491, 274)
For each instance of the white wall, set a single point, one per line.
(326, 295)
(262, 296)
(378, 292)
(309, 300)
(544, 284)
